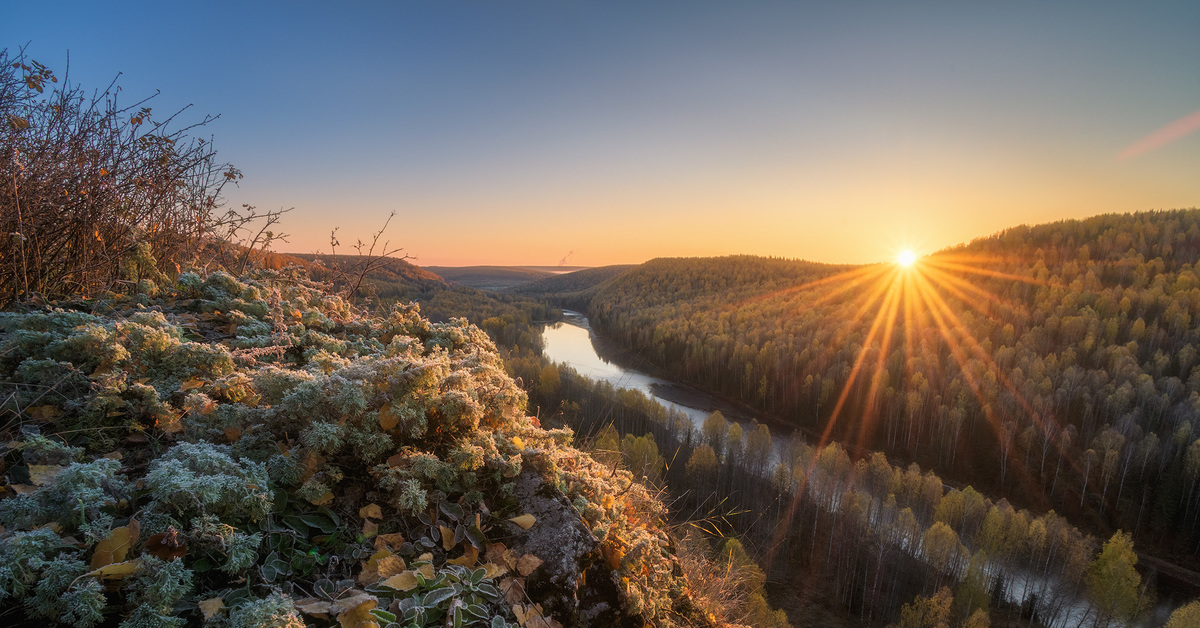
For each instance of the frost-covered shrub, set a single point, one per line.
(79, 498)
(203, 478)
(156, 587)
(273, 611)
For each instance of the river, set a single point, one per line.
(572, 342)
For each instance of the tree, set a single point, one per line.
(928, 612)
(715, 429)
(91, 184)
(1187, 616)
(1113, 581)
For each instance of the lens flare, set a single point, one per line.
(906, 258)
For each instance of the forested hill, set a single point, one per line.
(1052, 364)
(572, 290)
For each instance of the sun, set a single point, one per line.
(906, 258)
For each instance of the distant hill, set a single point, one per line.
(489, 277)
(572, 290)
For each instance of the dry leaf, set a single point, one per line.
(387, 419)
(526, 521)
(116, 547)
(527, 564)
(468, 559)
(191, 384)
(113, 455)
(495, 552)
(491, 570)
(426, 570)
(324, 499)
(513, 589)
(447, 537)
(211, 607)
(390, 566)
(166, 545)
(371, 511)
(116, 571)
(520, 444)
(393, 540)
(404, 581)
(355, 612)
(370, 529)
(43, 474)
(312, 606)
(233, 433)
(44, 413)
(169, 423)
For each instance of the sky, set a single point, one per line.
(529, 133)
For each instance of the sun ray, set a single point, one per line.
(983, 271)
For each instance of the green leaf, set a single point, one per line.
(476, 537)
(437, 596)
(452, 510)
(383, 615)
(320, 522)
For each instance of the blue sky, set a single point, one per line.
(515, 132)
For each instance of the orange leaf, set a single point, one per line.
(527, 564)
(447, 537)
(387, 418)
(371, 511)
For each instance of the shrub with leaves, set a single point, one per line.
(253, 451)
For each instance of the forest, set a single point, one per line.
(1051, 365)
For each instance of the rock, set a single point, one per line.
(573, 584)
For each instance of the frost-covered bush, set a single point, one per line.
(79, 498)
(204, 479)
(257, 422)
(273, 611)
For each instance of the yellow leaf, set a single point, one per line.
(43, 474)
(192, 383)
(387, 418)
(116, 571)
(492, 570)
(324, 499)
(518, 442)
(426, 570)
(390, 566)
(470, 555)
(404, 581)
(114, 548)
(526, 521)
(527, 564)
(355, 612)
(371, 511)
(447, 537)
(211, 607)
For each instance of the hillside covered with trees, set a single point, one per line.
(1051, 364)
